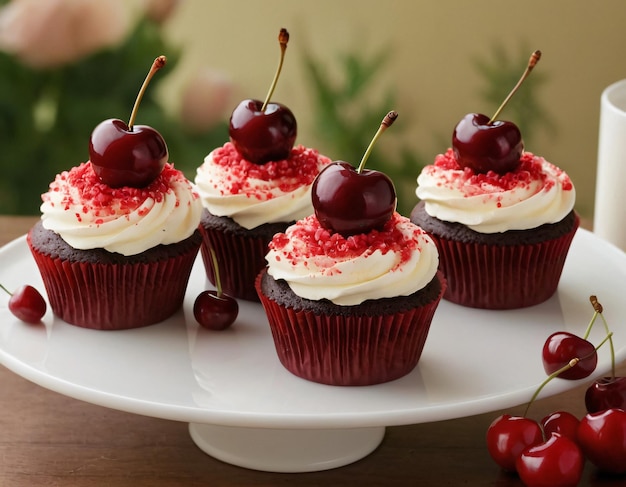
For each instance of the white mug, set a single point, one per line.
(609, 220)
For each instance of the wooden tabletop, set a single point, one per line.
(47, 439)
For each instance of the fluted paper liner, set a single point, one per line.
(505, 276)
(349, 350)
(115, 296)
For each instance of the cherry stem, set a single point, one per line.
(283, 39)
(534, 59)
(157, 64)
(598, 308)
(216, 273)
(567, 366)
(6, 290)
(384, 125)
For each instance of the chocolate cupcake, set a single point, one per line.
(502, 238)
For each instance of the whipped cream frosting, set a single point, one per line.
(254, 194)
(536, 193)
(88, 214)
(397, 261)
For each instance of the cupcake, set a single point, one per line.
(354, 310)
(116, 258)
(245, 204)
(502, 237)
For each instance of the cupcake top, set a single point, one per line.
(89, 214)
(536, 193)
(318, 264)
(254, 194)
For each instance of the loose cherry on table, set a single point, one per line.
(213, 309)
(557, 462)
(561, 422)
(264, 131)
(126, 154)
(602, 438)
(27, 304)
(485, 144)
(606, 393)
(350, 201)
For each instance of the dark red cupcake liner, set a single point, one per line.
(115, 296)
(502, 276)
(354, 350)
(239, 259)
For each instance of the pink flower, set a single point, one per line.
(205, 99)
(56, 32)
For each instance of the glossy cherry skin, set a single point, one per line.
(485, 147)
(214, 311)
(265, 136)
(508, 436)
(561, 422)
(606, 393)
(561, 347)
(602, 438)
(27, 304)
(349, 202)
(124, 157)
(558, 462)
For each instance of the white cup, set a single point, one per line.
(610, 202)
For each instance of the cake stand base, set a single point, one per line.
(286, 450)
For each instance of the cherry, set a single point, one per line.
(561, 422)
(606, 393)
(602, 438)
(557, 462)
(561, 347)
(213, 309)
(350, 201)
(508, 436)
(27, 304)
(128, 155)
(485, 144)
(264, 131)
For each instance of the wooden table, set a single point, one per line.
(47, 439)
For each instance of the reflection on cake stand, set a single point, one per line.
(244, 408)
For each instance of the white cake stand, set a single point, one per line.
(244, 408)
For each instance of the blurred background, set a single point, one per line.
(66, 65)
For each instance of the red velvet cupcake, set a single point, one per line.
(350, 311)
(245, 204)
(502, 238)
(116, 258)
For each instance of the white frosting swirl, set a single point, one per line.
(251, 194)
(537, 192)
(88, 214)
(397, 261)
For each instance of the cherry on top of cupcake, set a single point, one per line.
(314, 240)
(352, 201)
(485, 144)
(264, 131)
(102, 200)
(128, 154)
(298, 170)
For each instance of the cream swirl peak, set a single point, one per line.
(317, 264)
(88, 214)
(537, 192)
(253, 194)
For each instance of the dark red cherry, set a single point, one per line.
(127, 157)
(127, 154)
(215, 311)
(483, 146)
(561, 347)
(508, 436)
(262, 136)
(606, 393)
(350, 202)
(602, 438)
(27, 304)
(561, 422)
